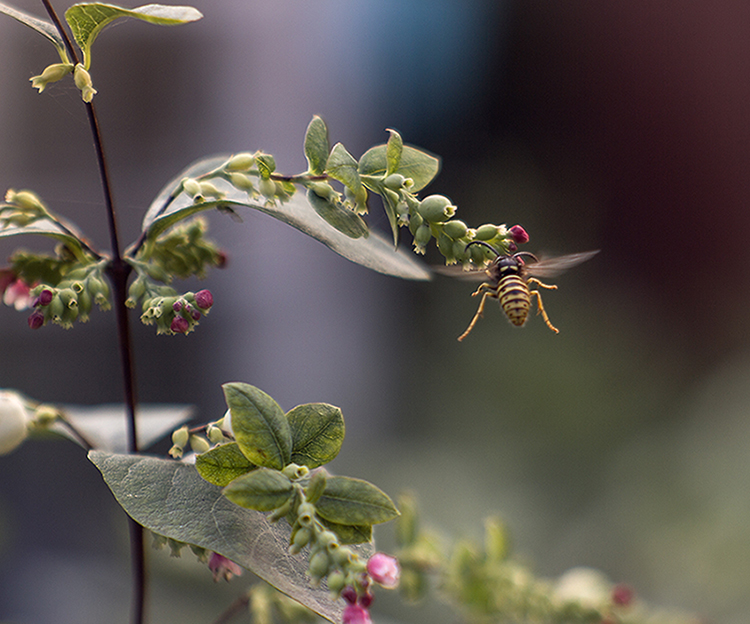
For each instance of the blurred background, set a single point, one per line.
(620, 443)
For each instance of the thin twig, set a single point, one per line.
(236, 608)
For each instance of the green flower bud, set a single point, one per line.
(322, 189)
(241, 181)
(318, 566)
(436, 208)
(240, 162)
(191, 186)
(342, 556)
(336, 582)
(209, 190)
(415, 220)
(395, 181)
(302, 537)
(306, 514)
(51, 73)
(199, 444)
(25, 199)
(215, 435)
(421, 238)
(455, 229)
(267, 187)
(317, 486)
(486, 232)
(180, 436)
(83, 81)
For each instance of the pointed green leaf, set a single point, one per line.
(340, 217)
(87, 19)
(261, 489)
(259, 425)
(415, 164)
(317, 145)
(342, 166)
(223, 464)
(354, 501)
(350, 533)
(43, 27)
(170, 498)
(393, 150)
(65, 232)
(317, 433)
(373, 252)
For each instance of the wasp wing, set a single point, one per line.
(549, 267)
(470, 274)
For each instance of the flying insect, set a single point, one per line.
(509, 278)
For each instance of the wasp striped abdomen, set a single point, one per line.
(515, 300)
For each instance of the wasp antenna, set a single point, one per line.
(484, 244)
(526, 253)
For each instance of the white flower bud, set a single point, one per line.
(13, 420)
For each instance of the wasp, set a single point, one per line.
(509, 281)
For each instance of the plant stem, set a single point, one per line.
(118, 272)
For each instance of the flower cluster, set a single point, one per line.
(176, 314)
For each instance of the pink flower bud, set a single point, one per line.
(384, 570)
(45, 298)
(622, 595)
(365, 600)
(518, 234)
(177, 305)
(223, 567)
(349, 594)
(204, 299)
(196, 316)
(18, 295)
(354, 614)
(179, 325)
(36, 320)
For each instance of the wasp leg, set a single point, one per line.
(480, 309)
(534, 280)
(482, 287)
(541, 309)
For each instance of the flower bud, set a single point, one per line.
(51, 73)
(83, 82)
(215, 435)
(422, 237)
(318, 566)
(322, 189)
(306, 514)
(394, 181)
(204, 299)
(180, 436)
(208, 189)
(36, 320)
(44, 298)
(317, 486)
(240, 162)
(355, 614)
(436, 208)
(518, 234)
(241, 181)
(384, 570)
(199, 444)
(336, 582)
(26, 200)
(486, 232)
(221, 567)
(301, 538)
(267, 187)
(455, 229)
(179, 325)
(191, 187)
(13, 421)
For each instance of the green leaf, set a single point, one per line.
(170, 498)
(259, 425)
(340, 217)
(223, 464)
(43, 27)
(105, 426)
(317, 433)
(87, 19)
(342, 166)
(262, 489)
(415, 164)
(393, 151)
(65, 232)
(317, 145)
(354, 501)
(373, 252)
(350, 533)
